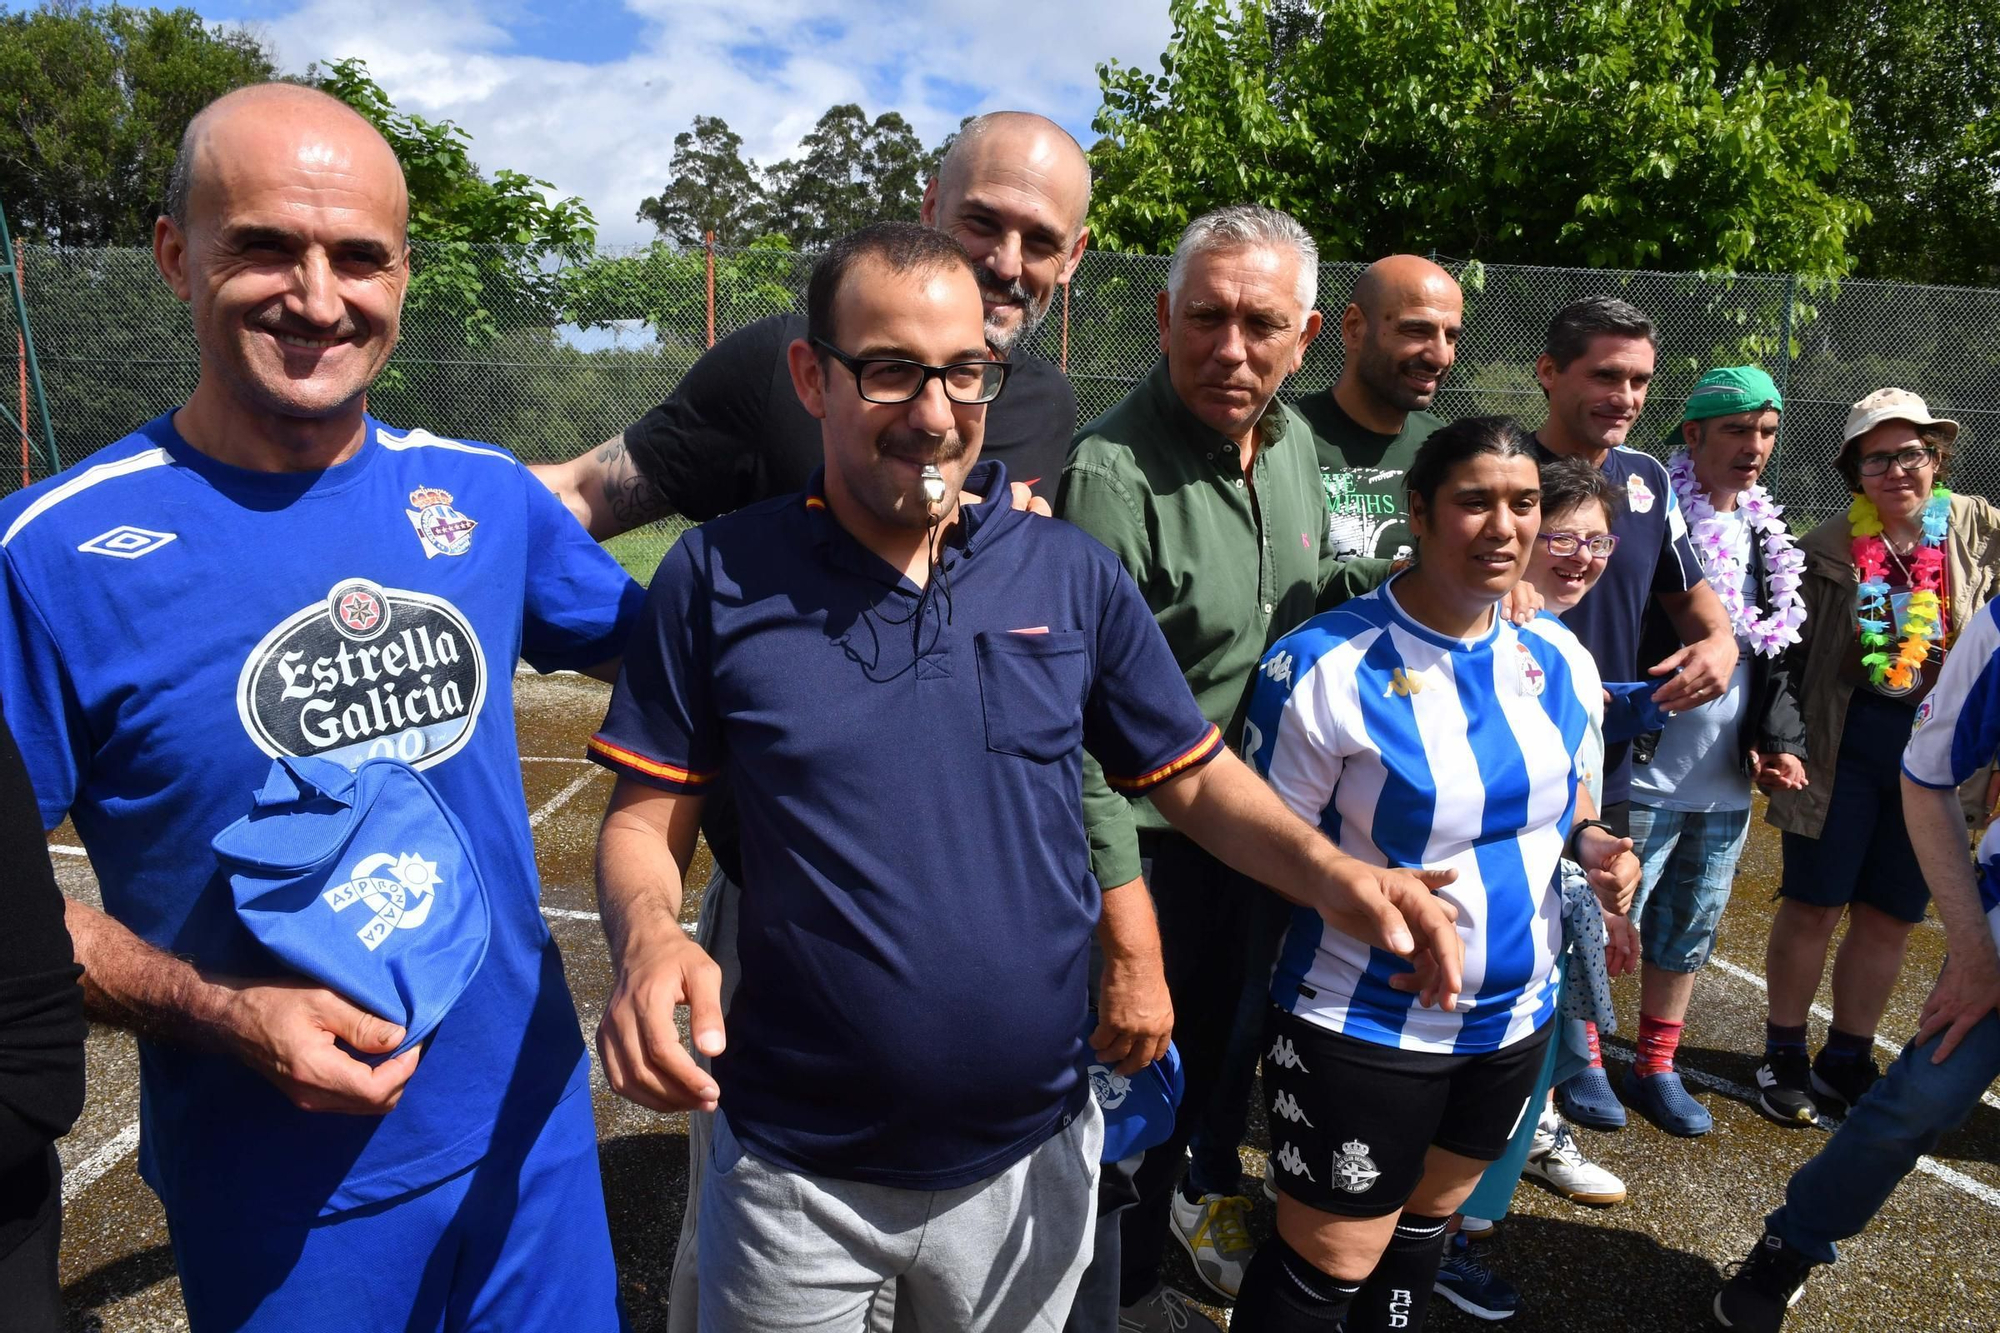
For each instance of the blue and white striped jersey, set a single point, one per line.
(1957, 729)
(1411, 748)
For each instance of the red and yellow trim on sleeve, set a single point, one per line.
(617, 756)
(1203, 751)
(814, 502)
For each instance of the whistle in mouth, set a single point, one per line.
(933, 481)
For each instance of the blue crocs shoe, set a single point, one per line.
(1472, 1286)
(1662, 1099)
(1587, 1100)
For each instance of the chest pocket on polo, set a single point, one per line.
(1031, 689)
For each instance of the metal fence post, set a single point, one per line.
(1063, 362)
(21, 353)
(10, 265)
(708, 246)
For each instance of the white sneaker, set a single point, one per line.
(1557, 1161)
(1164, 1311)
(1475, 1228)
(1216, 1235)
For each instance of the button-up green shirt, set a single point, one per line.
(1228, 563)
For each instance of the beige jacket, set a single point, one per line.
(1972, 559)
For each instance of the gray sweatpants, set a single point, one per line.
(715, 932)
(806, 1254)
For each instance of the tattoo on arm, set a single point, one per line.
(629, 494)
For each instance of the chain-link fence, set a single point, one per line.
(551, 358)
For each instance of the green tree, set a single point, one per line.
(714, 189)
(850, 171)
(1570, 131)
(481, 242)
(1921, 77)
(96, 101)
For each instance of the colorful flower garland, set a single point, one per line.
(1925, 607)
(1784, 564)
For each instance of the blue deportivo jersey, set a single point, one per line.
(1410, 748)
(1957, 731)
(173, 623)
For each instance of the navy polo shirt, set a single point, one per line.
(1653, 556)
(917, 899)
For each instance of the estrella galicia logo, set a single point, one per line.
(441, 528)
(400, 900)
(368, 672)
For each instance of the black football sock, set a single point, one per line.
(1398, 1293)
(1282, 1293)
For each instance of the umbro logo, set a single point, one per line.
(127, 542)
(1283, 1056)
(1288, 1157)
(1286, 1105)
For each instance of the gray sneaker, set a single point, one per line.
(1164, 1310)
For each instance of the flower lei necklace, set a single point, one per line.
(1784, 564)
(1921, 613)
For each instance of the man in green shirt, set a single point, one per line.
(1208, 489)
(1400, 332)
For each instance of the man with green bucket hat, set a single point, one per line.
(1691, 782)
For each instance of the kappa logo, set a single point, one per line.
(1532, 676)
(442, 529)
(1108, 1087)
(1402, 684)
(1285, 1057)
(1639, 493)
(1279, 667)
(400, 901)
(1354, 1170)
(1288, 1157)
(1286, 1105)
(127, 542)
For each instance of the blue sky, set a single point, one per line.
(590, 95)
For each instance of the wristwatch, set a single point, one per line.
(1576, 832)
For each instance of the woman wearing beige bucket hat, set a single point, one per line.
(1887, 586)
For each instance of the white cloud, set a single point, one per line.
(605, 131)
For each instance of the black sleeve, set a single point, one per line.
(708, 449)
(41, 1005)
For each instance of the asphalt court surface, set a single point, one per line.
(1652, 1263)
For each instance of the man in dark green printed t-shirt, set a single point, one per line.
(1400, 332)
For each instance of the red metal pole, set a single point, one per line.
(708, 245)
(1063, 364)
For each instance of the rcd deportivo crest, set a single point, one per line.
(366, 672)
(1354, 1170)
(441, 528)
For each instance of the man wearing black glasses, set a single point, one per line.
(1014, 191)
(899, 685)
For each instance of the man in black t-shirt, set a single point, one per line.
(1400, 332)
(1014, 190)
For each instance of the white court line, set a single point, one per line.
(1819, 1011)
(553, 759)
(562, 798)
(90, 1168)
(1958, 1180)
(61, 850)
(568, 914)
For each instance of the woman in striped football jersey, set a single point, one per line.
(1419, 727)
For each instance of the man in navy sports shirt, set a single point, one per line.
(899, 687)
(268, 571)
